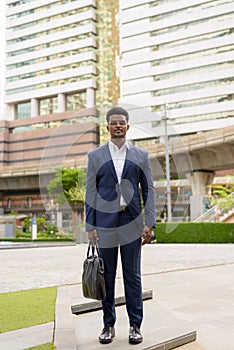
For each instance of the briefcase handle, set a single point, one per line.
(93, 246)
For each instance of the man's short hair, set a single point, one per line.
(116, 111)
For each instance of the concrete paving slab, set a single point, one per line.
(28, 337)
(47, 266)
(167, 333)
(64, 336)
(162, 330)
(211, 307)
(200, 298)
(68, 296)
(178, 274)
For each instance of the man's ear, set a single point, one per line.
(128, 126)
(107, 127)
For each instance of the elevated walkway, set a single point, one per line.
(204, 143)
(196, 152)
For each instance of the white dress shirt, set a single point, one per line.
(118, 156)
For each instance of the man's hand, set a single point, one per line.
(92, 235)
(146, 235)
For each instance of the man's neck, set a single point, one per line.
(119, 142)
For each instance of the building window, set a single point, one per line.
(49, 106)
(76, 101)
(24, 110)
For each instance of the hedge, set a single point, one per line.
(202, 232)
(184, 232)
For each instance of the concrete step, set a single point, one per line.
(190, 346)
(96, 305)
(161, 329)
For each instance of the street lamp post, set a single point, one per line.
(165, 118)
(34, 227)
(52, 208)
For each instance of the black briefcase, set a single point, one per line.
(93, 282)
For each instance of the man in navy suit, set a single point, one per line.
(119, 179)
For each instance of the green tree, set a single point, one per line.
(223, 196)
(27, 224)
(41, 223)
(76, 194)
(13, 212)
(68, 185)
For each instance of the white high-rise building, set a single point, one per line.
(50, 56)
(179, 53)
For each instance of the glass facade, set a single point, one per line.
(49, 106)
(108, 80)
(24, 110)
(48, 46)
(62, 36)
(76, 101)
(179, 54)
(180, 42)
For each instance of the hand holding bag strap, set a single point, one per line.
(97, 248)
(93, 246)
(88, 251)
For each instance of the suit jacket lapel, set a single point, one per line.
(127, 161)
(109, 161)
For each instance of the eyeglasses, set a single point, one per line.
(119, 122)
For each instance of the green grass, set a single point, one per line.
(27, 308)
(47, 346)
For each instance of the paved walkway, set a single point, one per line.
(194, 282)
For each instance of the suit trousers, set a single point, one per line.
(130, 252)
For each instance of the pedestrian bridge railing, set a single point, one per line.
(209, 216)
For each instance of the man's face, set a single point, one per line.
(118, 126)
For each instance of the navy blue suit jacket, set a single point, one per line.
(103, 190)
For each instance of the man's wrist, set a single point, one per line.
(92, 234)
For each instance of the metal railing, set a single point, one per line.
(215, 214)
(209, 216)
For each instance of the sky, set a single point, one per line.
(2, 54)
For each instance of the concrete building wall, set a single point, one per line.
(68, 135)
(179, 53)
(50, 55)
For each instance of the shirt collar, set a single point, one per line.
(113, 147)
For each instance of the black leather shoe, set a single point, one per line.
(135, 336)
(107, 335)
